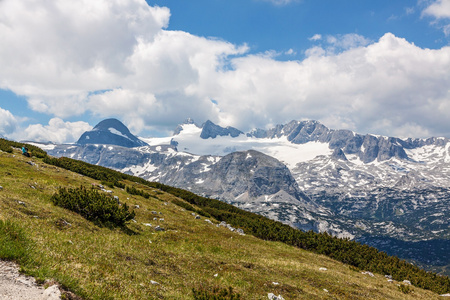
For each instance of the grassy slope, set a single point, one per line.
(99, 263)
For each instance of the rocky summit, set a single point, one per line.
(111, 132)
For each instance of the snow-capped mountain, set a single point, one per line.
(110, 131)
(303, 174)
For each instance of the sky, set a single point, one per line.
(380, 67)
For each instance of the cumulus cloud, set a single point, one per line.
(56, 131)
(116, 58)
(389, 80)
(439, 9)
(333, 44)
(8, 123)
(77, 47)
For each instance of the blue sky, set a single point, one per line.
(370, 66)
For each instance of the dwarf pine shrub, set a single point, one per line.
(94, 206)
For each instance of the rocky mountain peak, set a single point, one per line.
(180, 127)
(110, 132)
(211, 130)
(339, 154)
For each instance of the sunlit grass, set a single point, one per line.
(138, 262)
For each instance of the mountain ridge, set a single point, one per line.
(354, 184)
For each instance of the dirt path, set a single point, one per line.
(15, 286)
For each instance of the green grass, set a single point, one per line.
(14, 245)
(50, 242)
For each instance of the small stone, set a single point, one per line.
(197, 217)
(162, 220)
(368, 273)
(154, 212)
(155, 219)
(21, 203)
(52, 293)
(136, 206)
(272, 296)
(275, 283)
(158, 228)
(147, 224)
(154, 282)
(240, 231)
(215, 275)
(388, 276)
(1, 188)
(407, 282)
(323, 269)
(325, 290)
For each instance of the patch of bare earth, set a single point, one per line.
(15, 286)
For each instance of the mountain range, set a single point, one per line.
(387, 192)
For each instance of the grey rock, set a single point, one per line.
(51, 293)
(158, 228)
(272, 296)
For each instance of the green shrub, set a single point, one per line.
(405, 289)
(6, 145)
(94, 206)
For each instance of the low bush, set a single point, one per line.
(94, 206)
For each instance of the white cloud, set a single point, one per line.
(56, 131)
(61, 50)
(439, 9)
(334, 44)
(316, 37)
(280, 2)
(390, 79)
(8, 123)
(114, 58)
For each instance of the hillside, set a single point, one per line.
(139, 262)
